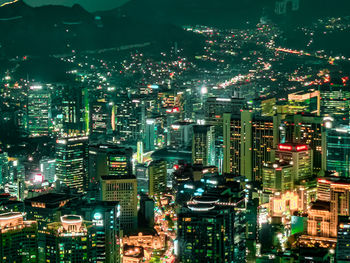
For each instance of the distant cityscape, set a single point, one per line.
(192, 143)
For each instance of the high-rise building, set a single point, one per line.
(4, 168)
(343, 240)
(216, 107)
(74, 108)
(109, 160)
(99, 118)
(248, 141)
(309, 102)
(157, 172)
(105, 219)
(308, 129)
(129, 118)
(48, 169)
(206, 232)
(39, 111)
(70, 240)
(123, 190)
(181, 135)
(336, 103)
(46, 208)
(142, 177)
(203, 145)
(338, 150)
(150, 139)
(19, 239)
(299, 156)
(278, 177)
(71, 162)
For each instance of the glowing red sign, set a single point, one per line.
(301, 148)
(285, 147)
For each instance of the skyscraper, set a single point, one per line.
(299, 156)
(105, 219)
(123, 190)
(206, 232)
(157, 172)
(338, 150)
(39, 111)
(308, 129)
(71, 239)
(248, 141)
(71, 162)
(19, 239)
(203, 145)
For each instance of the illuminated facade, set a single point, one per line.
(304, 102)
(285, 204)
(343, 240)
(203, 145)
(124, 191)
(336, 103)
(19, 239)
(105, 219)
(181, 135)
(39, 111)
(248, 141)
(338, 150)
(71, 162)
(308, 129)
(109, 160)
(74, 110)
(70, 240)
(157, 172)
(299, 156)
(216, 107)
(278, 177)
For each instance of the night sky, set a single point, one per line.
(90, 5)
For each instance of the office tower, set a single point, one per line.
(4, 168)
(129, 115)
(307, 102)
(105, 219)
(335, 103)
(216, 107)
(99, 118)
(74, 108)
(48, 169)
(248, 141)
(111, 166)
(46, 208)
(338, 150)
(299, 156)
(70, 240)
(203, 145)
(146, 212)
(142, 178)
(150, 138)
(343, 240)
(71, 162)
(308, 129)
(39, 111)
(278, 177)
(181, 135)
(109, 160)
(206, 232)
(19, 239)
(123, 190)
(157, 172)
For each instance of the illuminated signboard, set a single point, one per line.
(98, 219)
(284, 147)
(301, 148)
